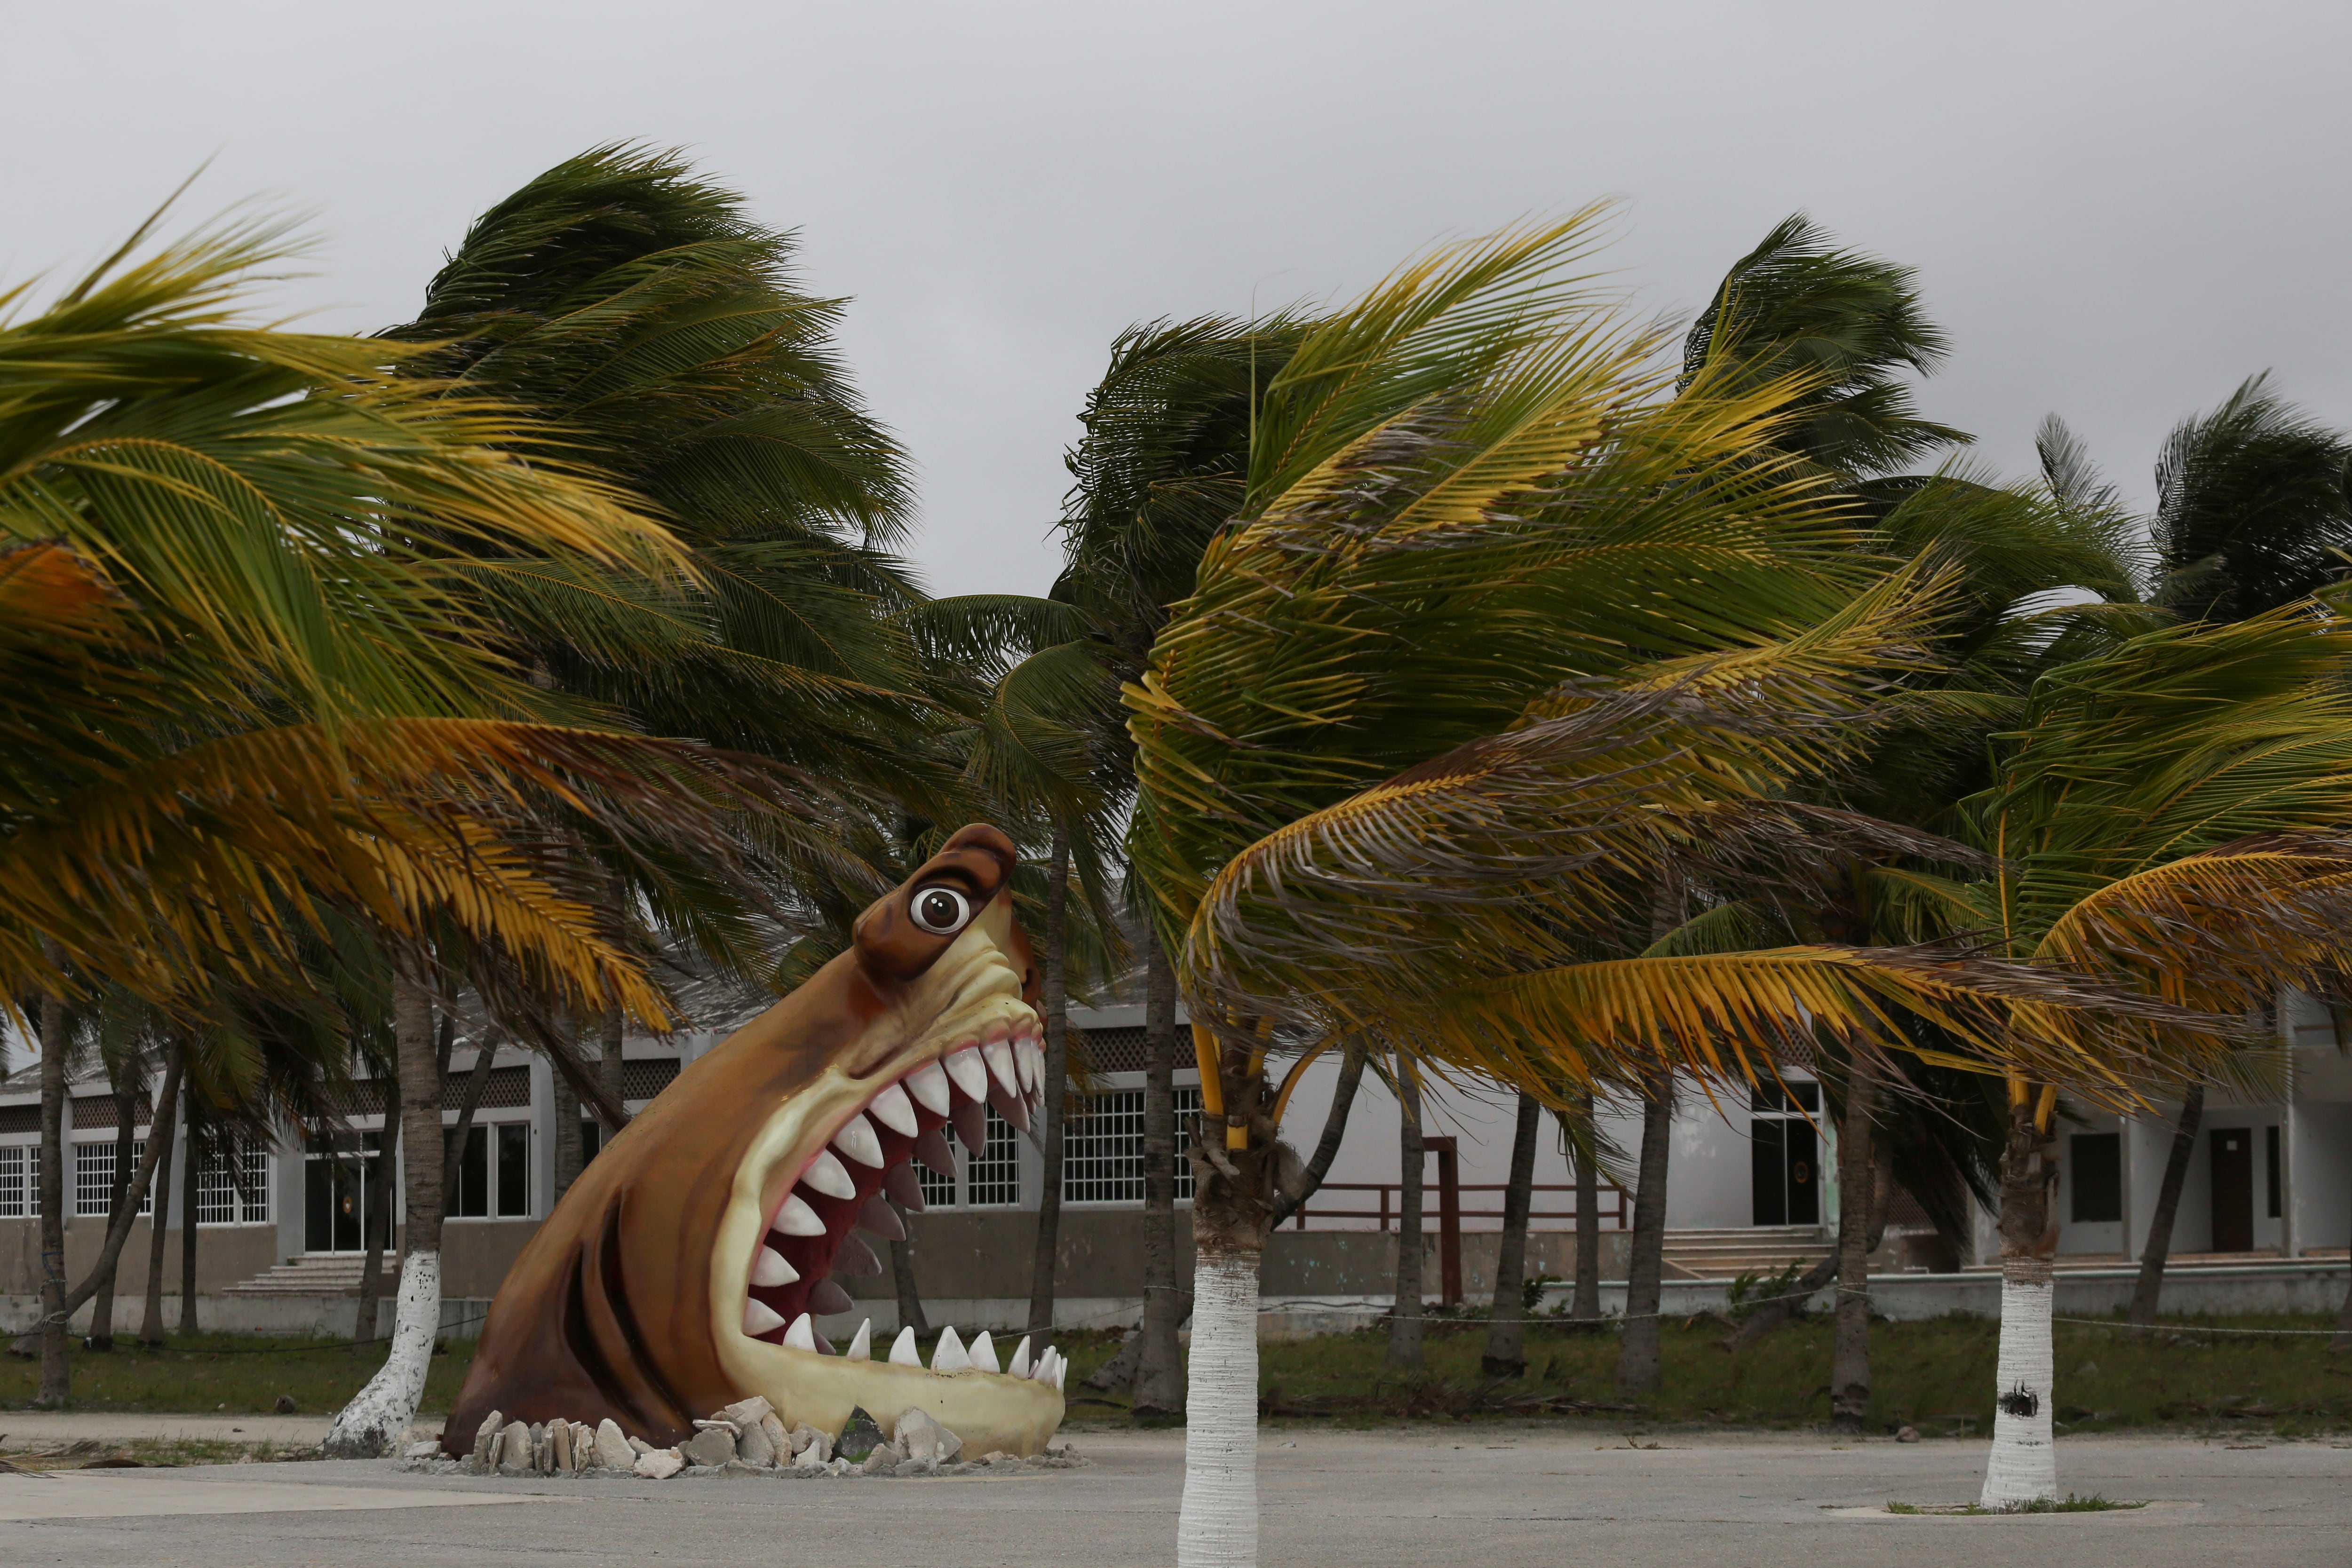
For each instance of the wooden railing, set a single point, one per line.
(1450, 1212)
(1616, 1205)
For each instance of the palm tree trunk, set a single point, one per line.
(611, 1064)
(1405, 1319)
(2158, 1249)
(571, 1152)
(379, 1219)
(1352, 1057)
(902, 1277)
(57, 1376)
(127, 1194)
(192, 1165)
(1640, 1363)
(126, 1115)
(1506, 1335)
(151, 1326)
(1850, 1361)
(1584, 1306)
(378, 1416)
(1054, 998)
(1159, 1377)
(1234, 1191)
(2021, 1466)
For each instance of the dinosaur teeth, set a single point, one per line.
(903, 1352)
(857, 1140)
(861, 1347)
(983, 1353)
(802, 1335)
(880, 1217)
(1019, 1365)
(759, 1318)
(947, 1356)
(965, 1071)
(771, 1269)
(826, 1174)
(896, 1111)
(797, 1219)
(930, 1086)
(998, 1054)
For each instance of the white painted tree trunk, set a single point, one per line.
(377, 1419)
(1218, 1525)
(2023, 1465)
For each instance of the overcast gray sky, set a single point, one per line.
(2117, 210)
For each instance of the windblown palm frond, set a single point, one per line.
(2254, 508)
(279, 495)
(1849, 324)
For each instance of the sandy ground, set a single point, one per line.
(1501, 1498)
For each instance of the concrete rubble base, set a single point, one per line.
(1498, 1496)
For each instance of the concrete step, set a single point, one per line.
(1726, 1252)
(331, 1274)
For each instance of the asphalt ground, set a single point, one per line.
(1497, 1497)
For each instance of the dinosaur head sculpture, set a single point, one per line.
(683, 1270)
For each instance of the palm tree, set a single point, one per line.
(2166, 816)
(244, 688)
(2252, 513)
(1160, 469)
(1502, 632)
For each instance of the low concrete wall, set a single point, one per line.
(280, 1317)
(2285, 1288)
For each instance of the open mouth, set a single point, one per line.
(818, 1174)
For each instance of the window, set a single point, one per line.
(991, 1178)
(592, 1140)
(94, 1178)
(2098, 1161)
(1102, 1148)
(233, 1185)
(2271, 1151)
(494, 1173)
(1779, 1100)
(939, 1191)
(20, 1181)
(514, 1169)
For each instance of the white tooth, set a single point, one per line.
(948, 1354)
(857, 1140)
(1032, 1057)
(769, 1268)
(890, 1108)
(797, 1219)
(759, 1318)
(1061, 1372)
(802, 1335)
(1048, 1365)
(826, 1174)
(999, 1053)
(1020, 1368)
(968, 1074)
(928, 1085)
(983, 1352)
(903, 1352)
(862, 1347)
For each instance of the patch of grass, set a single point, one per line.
(2093, 1503)
(145, 1452)
(1937, 1376)
(234, 1374)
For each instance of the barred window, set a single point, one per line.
(20, 1181)
(1102, 1147)
(992, 1179)
(939, 1191)
(94, 1178)
(233, 1185)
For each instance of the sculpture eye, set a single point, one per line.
(941, 911)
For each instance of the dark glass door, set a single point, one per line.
(339, 1188)
(2234, 1189)
(1784, 1157)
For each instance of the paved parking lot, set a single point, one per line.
(1495, 1499)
